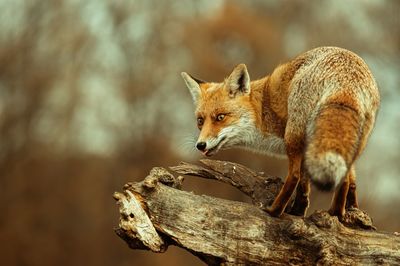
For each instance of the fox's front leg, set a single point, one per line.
(291, 181)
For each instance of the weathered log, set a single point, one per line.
(155, 213)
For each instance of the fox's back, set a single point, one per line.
(331, 74)
(331, 109)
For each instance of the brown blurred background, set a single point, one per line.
(91, 98)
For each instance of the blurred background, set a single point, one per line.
(91, 97)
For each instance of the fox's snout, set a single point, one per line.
(204, 148)
(201, 145)
(211, 146)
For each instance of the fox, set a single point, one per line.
(317, 110)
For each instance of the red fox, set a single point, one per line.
(318, 110)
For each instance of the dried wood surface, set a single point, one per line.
(156, 213)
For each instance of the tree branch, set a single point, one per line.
(260, 188)
(155, 213)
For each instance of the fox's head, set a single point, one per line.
(225, 114)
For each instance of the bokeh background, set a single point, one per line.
(91, 98)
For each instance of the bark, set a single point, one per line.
(156, 213)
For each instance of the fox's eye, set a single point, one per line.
(220, 117)
(200, 121)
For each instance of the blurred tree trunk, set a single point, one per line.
(155, 213)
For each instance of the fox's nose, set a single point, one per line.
(201, 146)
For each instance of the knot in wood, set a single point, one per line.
(323, 219)
(297, 229)
(150, 182)
(166, 178)
(356, 218)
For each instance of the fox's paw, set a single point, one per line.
(275, 212)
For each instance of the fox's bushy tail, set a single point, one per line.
(333, 138)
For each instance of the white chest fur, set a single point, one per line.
(266, 144)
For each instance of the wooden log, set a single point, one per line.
(155, 213)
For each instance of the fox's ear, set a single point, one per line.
(193, 84)
(239, 81)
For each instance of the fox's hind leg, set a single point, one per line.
(342, 193)
(293, 177)
(352, 195)
(294, 150)
(352, 201)
(301, 201)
